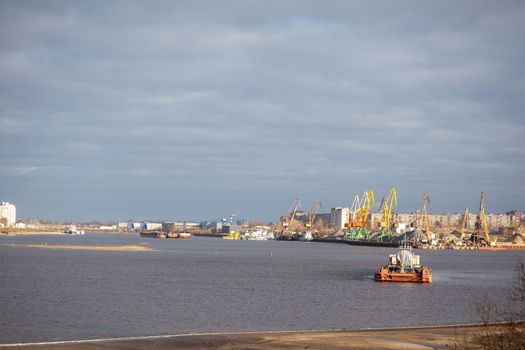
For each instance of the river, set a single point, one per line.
(210, 285)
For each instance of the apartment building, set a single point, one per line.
(339, 217)
(7, 214)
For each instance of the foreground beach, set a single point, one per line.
(402, 338)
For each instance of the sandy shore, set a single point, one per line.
(118, 248)
(21, 233)
(406, 338)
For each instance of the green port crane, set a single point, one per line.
(358, 216)
(388, 203)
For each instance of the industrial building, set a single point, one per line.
(339, 217)
(151, 226)
(7, 214)
(495, 222)
(179, 226)
(324, 217)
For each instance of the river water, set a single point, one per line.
(211, 285)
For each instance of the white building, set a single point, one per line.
(7, 214)
(151, 226)
(177, 226)
(339, 217)
(123, 225)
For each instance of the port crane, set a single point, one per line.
(356, 226)
(311, 215)
(352, 218)
(387, 209)
(289, 217)
(481, 229)
(367, 202)
(421, 220)
(352, 215)
(464, 225)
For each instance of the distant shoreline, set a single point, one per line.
(392, 338)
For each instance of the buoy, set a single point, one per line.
(270, 253)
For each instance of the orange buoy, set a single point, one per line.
(270, 253)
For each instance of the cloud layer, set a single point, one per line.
(194, 110)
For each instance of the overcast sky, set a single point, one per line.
(113, 110)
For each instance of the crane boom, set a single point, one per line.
(464, 224)
(296, 206)
(421, 219)
(481, 229)
(311, 216)
(352, 216)
(287, 219)
(387, 208)
(367, 201)
(387, 205)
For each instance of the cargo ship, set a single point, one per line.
(403, 267)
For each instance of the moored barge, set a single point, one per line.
(161, 234)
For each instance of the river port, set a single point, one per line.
(364, 223)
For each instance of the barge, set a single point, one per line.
(372, 243)
(403, 267)
(161, 234)
(153, 234)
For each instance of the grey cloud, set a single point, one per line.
(195, 108)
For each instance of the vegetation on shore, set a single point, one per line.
(509, 333)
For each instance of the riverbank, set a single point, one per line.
(402, 338)
(121, 248)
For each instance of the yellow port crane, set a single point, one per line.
(481, 229)
(387, 209)
(367, 202)
(421, 220)
(358, 216)
(311, 215)
(464, 224)
(352, 215)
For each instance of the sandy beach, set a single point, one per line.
(405, 338)
(122, 248)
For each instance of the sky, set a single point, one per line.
(193, 110)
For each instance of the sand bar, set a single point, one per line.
(406, 338)
(31, 232)
(114, 248)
